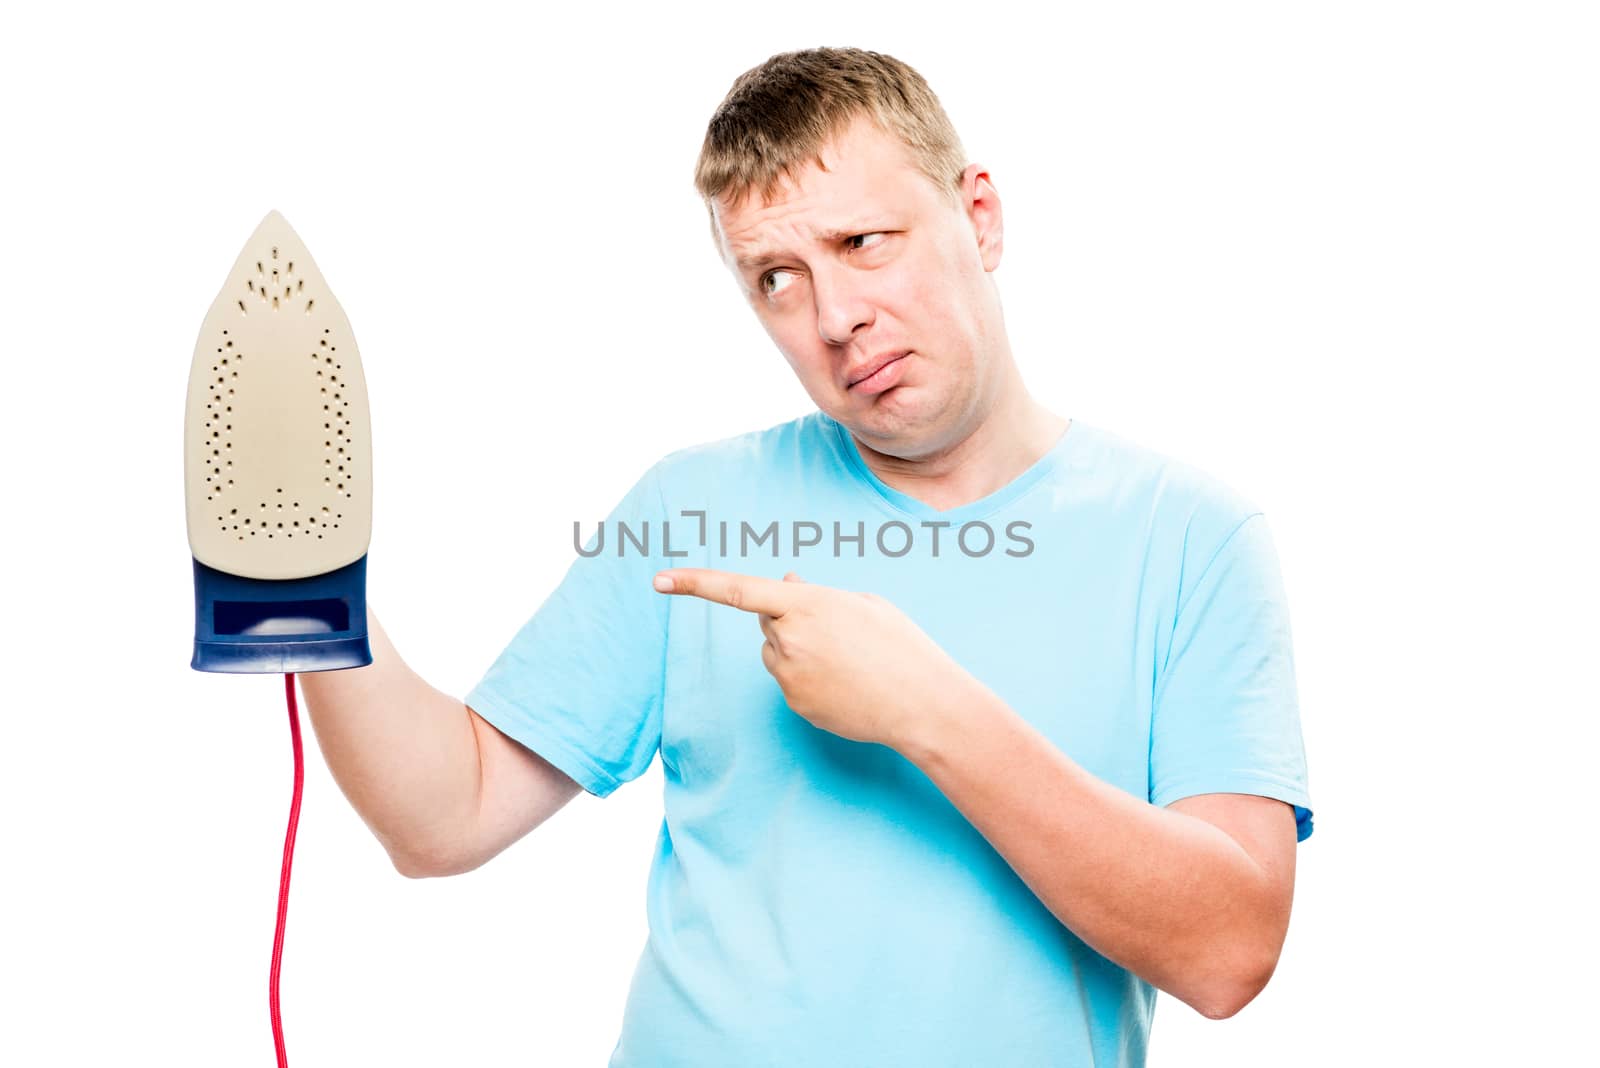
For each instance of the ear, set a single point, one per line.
(981, 202)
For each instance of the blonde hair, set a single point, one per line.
(777, 117)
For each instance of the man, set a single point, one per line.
(1021, 743)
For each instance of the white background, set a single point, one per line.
(1342, 256)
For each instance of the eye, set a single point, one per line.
(761, 283)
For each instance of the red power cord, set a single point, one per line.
(288, 861)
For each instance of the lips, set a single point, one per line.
(873, 366)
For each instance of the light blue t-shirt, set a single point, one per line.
(815, 900)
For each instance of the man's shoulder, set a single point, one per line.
(746, 454)
(1174, 493)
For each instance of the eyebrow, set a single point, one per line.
(761, 257)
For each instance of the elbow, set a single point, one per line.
(1240, 974)
(1239, 990)
(412, 868)
(427, 865)
(1221, 1009)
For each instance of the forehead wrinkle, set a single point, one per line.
(761, 257)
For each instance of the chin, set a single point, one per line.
(898, 415)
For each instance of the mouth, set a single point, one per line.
(875, 375)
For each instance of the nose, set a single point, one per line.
(842, 304)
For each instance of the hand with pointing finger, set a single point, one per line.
(851, 663)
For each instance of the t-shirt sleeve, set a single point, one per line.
(1226, 714)
(580, 683)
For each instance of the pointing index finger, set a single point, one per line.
(750, 593)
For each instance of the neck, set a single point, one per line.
(1009, 438)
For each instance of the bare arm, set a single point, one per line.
(1194, 897)
(441, 788)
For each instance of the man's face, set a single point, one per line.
(856, 265)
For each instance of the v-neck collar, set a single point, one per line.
(986, 505)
